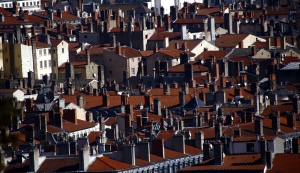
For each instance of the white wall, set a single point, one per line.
(26, 59)
(19, 95)
(62, 57)
(44, 57)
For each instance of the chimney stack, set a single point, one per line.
(199, 139)
(128, 154)
(157, 106)
(158, 147)
(144, 151)
(33, 159)
(259, 127)
(218, 153)
(276, 122)
(84, 158)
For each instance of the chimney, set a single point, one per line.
(181, 98)
(178, 143)
(218, 131)
(259, 127)
(291, 120)
(33, 31)
(167, 22)
(29, 105)
(148, 99)
(128, 154)
(206, 151)
(143, 151)
(112, 40)
(199, 139)
(80, 101)
(119, 49)
(249, 117)
(155, 49)
(218, 153)
(296, 104)
(282, 42)
(241, 44)
(206, 3)
(83, 158)
(276, 122)
(139, 122)
(263, 148)
(129, 109)
(269, 159)
(59, 13)
(166, 42)
(144, 116)
(33, 159)
(253, 50)
(183, 32)
(228, 22)
(237, 132)
(157, 106)
(88, 57)
(158, 147)
(277, 41)
(127, 121)
(159, 21)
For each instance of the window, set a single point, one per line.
(49, 51)
(63, 50)
(40, 52)
(139, 59)
(6, 5)
(54, 64)
(6, 59)
(41, 64)
(132, 59)
(41, 76)
(45, 63)
(53, 50)
(132, 71)
(38, 2)
(110, 72)
(17, 71)
(45, 52)
(85, 36)
(9, 5)
(49, 63)
(250, 147)
(30, 3)
(34, 3)
(146, 36)
(128, 12)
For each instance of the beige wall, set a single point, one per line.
(115, 64)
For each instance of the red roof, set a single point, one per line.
(230, 40)
(128, 52)
(247, 162)
(107, 164)
(285, 163)
(59, 165)
(161, 35)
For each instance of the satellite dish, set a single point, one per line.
(84, 14)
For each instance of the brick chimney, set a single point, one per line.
(296, 104)
(88, 57)
(148, 99)
(277, 41)
(124, 98)
(139, 122)
(84, 157)
(276, 122)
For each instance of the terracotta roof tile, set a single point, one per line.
(191, 44)
(42, 45)
(162, 35)
(146, 53)
(283, 11)
(14, 167)
(8, 91)
(56, 42)
(110, 121)
(95, 49)
(141, 162)
(128, 51)
(248, 162)
(192, 150)
(230, 40)
(217, 54)
(92, 137)
(75, 64)
(171, 52)
(197, 68)
(171, 154)
(285, 163)
(15, 20)
(59, 165)
(165, 135)
(208, 11)
(155, 158)
(107, 164)
(71, 127)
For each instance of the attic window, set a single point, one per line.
(250, 147)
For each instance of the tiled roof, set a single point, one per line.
(282, 108)
(71, 127)
(110, 121)
(92, 137)
(208, 11)
(217, 54)
(11, 20)
(94, 50)
(288, 59)
(14, 167)
(7, 91)
(142, 9)
(65, 15)
(155, 158)
(191, 44)
(59, 165)
(189, 21)
(107, 164)
(75, 64)
(141, 162)
(171, 154)
(278, 12)
(56, 42)
(171, 52)
(285, 163)
(161, 35)
(197, 68)
(127, 51)
(230, 40)
(146, 53)
(42, 45)
(192, 150)
(165, 135)
(53, 129)
(247, 162)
